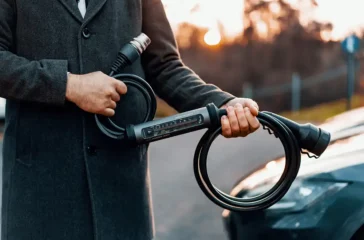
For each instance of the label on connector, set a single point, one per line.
(174, 126)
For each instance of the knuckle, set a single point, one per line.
(256, 125)
(123, 87)
(226, 134)
(104, 101)
(106, 105)
(244, 131)
(235, 129)
(107, 91)
(244, 126)
(114, 82)
(231, 114)
(100, 109)
(234, 122)
(120, 85)
(225, 129)
(239, 110)
(110, 81)
(242, 119)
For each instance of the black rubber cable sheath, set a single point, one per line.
(280, 130)
(148, 94)
(293, 161)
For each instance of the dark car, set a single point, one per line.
(326, 201)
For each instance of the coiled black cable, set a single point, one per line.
(267, 120)
(293, 161)
(145, 89)
(126, 56)
(293, 136)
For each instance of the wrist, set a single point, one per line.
(226, 103)
(72, 80)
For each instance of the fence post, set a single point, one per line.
(247, 90)
(296, 92)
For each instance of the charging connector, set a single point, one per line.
(130, 52)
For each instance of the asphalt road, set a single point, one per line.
(181, 210)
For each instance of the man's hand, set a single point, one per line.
(241, 119)
(95, 92)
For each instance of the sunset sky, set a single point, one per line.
(346, 15)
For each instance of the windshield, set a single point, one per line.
(340, 153)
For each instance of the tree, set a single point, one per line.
(274, 44)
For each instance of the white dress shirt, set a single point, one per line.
(82, 7)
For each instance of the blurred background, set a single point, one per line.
(286, 54)
(292, 56)
(298, 58)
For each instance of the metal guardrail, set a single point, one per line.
(295, 86)
(324, 77)
(305, 83)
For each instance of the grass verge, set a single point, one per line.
(321, 112)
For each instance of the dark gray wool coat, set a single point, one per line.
(62, 178)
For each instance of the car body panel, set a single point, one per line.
(330, 160)
(334, 216)
(344, 120)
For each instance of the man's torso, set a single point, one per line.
(55, 158)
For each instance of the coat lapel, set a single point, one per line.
(93, 7)
(71, 6)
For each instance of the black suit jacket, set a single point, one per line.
(62, 178)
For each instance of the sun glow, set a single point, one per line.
(208, 14)
(212, 37)
(346, 16)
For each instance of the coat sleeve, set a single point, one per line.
(174, 82)
(41, 81)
